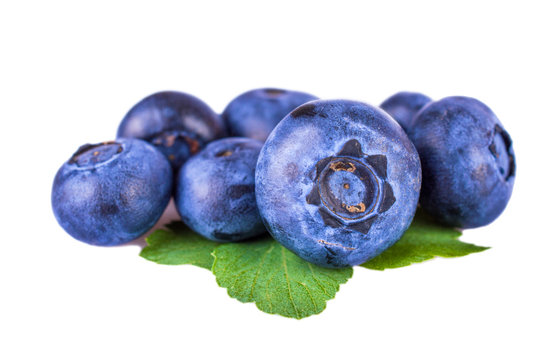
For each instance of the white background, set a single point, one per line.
(68, 74)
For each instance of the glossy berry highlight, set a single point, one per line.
(176, 123)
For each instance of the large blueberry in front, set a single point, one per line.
(215, 190)
(178, 124)
(337, 182)
(113, 192)
(403, 106)
(255, 113)
(467, 159)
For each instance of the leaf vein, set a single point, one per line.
(288, 283)
(259, 269)
(316, 280)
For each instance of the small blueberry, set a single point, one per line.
(255, 113)
(467, 159)
(215, 190)
(178, 124)
(113, 192)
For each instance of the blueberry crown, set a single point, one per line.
(350, 188)
(93, 154)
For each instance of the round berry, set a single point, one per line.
(215, 190)
(467, 159)
(337, 182)
(403, 106)
(113, 192)
(178, 124)
(255, 113)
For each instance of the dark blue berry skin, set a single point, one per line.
(467, 159)
(337, 182)
(403, 106)
(178, 124)
(215, 190)
(255, 113)
(113, 192)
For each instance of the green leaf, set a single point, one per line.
(278, 281)
(179, 245)
(424, 240)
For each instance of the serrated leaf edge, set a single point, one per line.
(258, 306)
(426, 258)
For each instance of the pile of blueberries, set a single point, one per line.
(335, 181)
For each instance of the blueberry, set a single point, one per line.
(255, 113)
(178, 124)
(467, 159)
(215, 190)
(113, 192)
(337, 182)
(403, 106)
